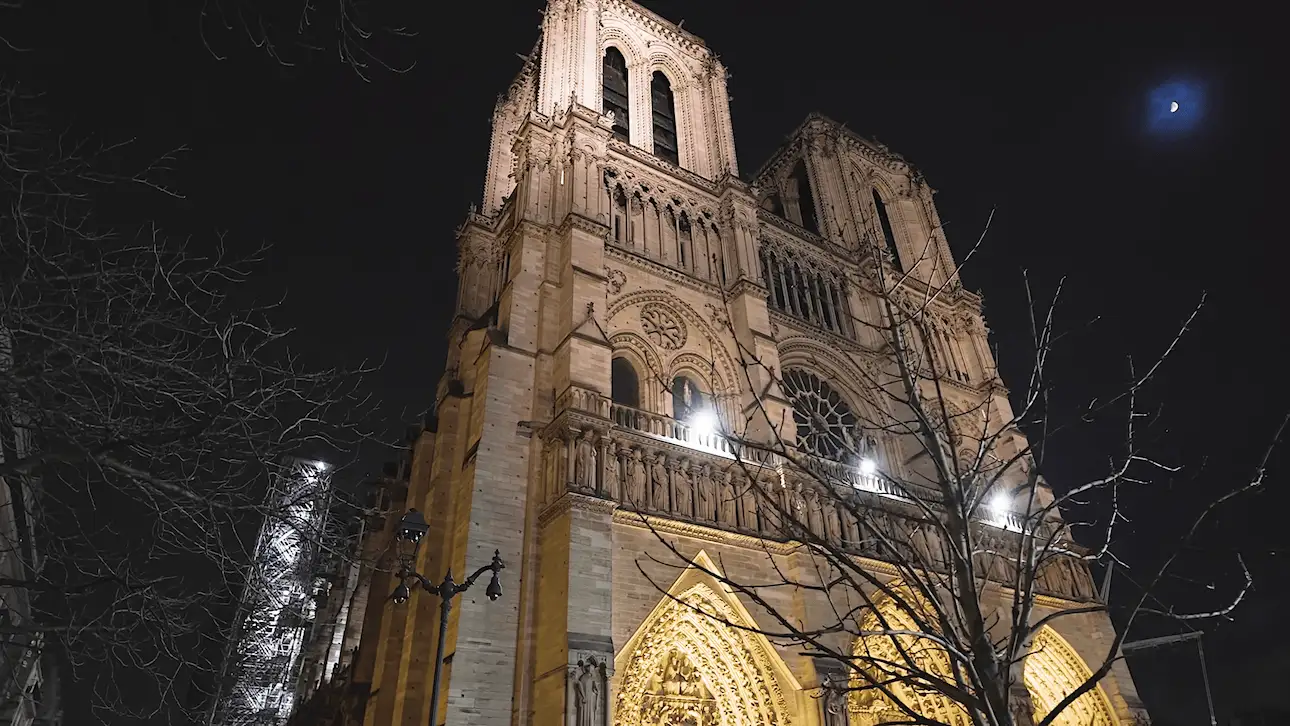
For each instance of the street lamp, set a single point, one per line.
(411, 529)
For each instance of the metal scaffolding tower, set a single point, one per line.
(262, 662)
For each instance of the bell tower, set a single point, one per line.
(614, 233)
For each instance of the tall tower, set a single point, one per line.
(613, 286)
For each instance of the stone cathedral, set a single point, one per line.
(616, 273)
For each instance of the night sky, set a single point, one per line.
(1054, 123)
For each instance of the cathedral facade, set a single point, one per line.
(616, 281)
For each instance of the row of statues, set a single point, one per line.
(783, 503)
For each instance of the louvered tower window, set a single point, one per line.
(805, 201)
(664, 119)
(885, 222)
(614, 91)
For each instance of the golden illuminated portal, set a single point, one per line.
(687, 668)
(872, 706)
(1052, 670)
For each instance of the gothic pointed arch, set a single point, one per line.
(708, 342)
(1051, 672)
(688, 663)
(616, 91)
(906, 664)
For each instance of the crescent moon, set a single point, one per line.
(1173, 107)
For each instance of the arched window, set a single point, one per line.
(774, 205)
(614, 91)
(885, 222)
(624, 385)
(665, 146)
(826, 425)
(687, 398)
(805, 201)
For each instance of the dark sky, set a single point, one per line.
(1043, 119)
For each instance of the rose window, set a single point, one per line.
(826, 425)
(662, 328)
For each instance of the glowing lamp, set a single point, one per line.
(703, 422)
(1000, 504)
(868, 467)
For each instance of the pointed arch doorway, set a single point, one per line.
(685, 666)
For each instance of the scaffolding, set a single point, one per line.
(279, 601)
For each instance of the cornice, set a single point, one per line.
(570, 501)
(656, 164)
(807, 330)
(573, 220)
(827, 255)
(664, 525)
(817, 124)
(661, 27)
(790, 231)
(655, 268)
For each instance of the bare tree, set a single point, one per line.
(938, 476)
(146, 400)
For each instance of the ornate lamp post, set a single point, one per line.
(411, 528)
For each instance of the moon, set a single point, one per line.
(1173, 107)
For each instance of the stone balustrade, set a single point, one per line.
(657, 465)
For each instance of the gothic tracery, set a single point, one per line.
(687, 668)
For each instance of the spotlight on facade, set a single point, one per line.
(412, 527)
(868, 467)
(703, 422)
(1000, 504)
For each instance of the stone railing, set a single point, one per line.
(666, 427)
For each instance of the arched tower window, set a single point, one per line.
(614, 91)
(624, 385)
(805, 201)
(687, 398)
(774, 205)
(885, 222)
(826, 425)
(664, 106)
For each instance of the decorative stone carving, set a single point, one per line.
(704, 494)
(726, 496)
(659, 484)
(678, 696)
(584, 463)
(614, 280)
(610, 454)
(636, 480)
(691, 669)
(683, 489)
(588, 684)
(662, 327)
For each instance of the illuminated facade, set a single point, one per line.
(617, 267)
(263, 662)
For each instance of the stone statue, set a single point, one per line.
(814, 513)
(584, 463)
(683, 489)
(636, 481)
(609, 482)
(704, 508)
(745, 491)
(585, 681)
(832, 527)
(725, 499)
(658, 484)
